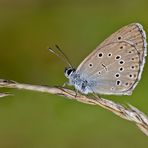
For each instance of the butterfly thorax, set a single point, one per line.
(78, 81)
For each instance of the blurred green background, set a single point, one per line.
(36, 120)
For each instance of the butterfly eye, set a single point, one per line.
(69, 71)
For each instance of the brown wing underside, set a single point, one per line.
(128, 46)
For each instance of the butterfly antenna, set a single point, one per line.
(62, 56)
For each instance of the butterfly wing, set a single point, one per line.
(117, 63)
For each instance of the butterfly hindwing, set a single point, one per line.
(117, 63)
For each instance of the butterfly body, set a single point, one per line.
(115, 66)
(81, 83)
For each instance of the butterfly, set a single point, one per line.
(114, 67)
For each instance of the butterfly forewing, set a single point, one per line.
(117, 63)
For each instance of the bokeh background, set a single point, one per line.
(36, 120)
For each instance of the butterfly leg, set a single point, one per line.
(76, 91)
(94, 94)
(65, 84)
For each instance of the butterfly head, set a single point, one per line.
(69, 71)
